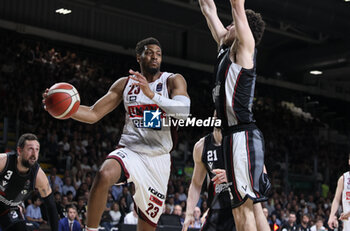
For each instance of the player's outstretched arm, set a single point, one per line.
(43, 186)
(106, 104)
(216, 27)
(332, 220)
(103, 106)
(245, 49)
(194, 191)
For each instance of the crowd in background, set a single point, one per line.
(30, 65)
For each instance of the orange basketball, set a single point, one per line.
(62, 100)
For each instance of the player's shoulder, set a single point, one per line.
(175, 77)
(199, 144)
(119, 84)
(341, 178)
(3, 160)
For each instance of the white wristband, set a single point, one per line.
(177, 107)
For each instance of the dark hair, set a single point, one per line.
(140, 46)
(27, 136)
(71, 206)
(256, 24)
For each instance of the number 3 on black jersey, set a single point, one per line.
(8, 175)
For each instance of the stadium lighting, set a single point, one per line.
(316, 72)
(347, 0)
(63, 11)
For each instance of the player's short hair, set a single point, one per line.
(27, 136)
(140, 46)
(256, 24)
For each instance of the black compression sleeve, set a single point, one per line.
(50, 205)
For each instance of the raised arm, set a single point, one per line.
(43, 186)
(332, 220)
(103, 106)
(209, 11)
(244, 50)
(194, 191)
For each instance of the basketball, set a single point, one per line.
(62, 100)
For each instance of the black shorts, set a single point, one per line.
(12, 220)
(219, 220)
(244, 159)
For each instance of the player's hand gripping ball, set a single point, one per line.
(62, 100)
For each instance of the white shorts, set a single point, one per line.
(150, 174)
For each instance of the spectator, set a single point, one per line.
(70, 223)
(115, 214)
(305, 223)
(55, 181)
(290, 225)
(319, 225)
(178, 212)
(33, 213)
(131, 217)
(68, 186)
(81, 210)
(197, 218)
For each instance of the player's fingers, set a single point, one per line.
(218, 171)
(138, 79)
(138, 74)
(44, 95)
(215, 178)
(134, 77)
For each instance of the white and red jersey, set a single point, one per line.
(346, 199)
(136, 137)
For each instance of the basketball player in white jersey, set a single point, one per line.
(342, 194)
(233, 94)
(143, 157)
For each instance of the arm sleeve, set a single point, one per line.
(50, 206)
(177, 107)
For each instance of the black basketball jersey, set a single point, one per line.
(15, 187)
(234, 90)
(212, 157)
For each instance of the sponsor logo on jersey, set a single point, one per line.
(222, 187)
(347, 196)
(156, 200)
(4, 183)
(156, 193)
(132, 98)
(159, 87)
(210, 164)
(137, 111)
